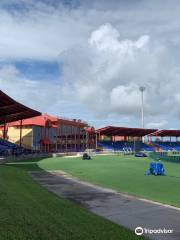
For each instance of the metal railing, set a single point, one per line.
(165, 157)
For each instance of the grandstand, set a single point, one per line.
(10, 111)
(23, 129)
(108, 139)
(47, 133)
(165, 140)
(131, 138)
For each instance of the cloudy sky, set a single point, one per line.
(86, 59)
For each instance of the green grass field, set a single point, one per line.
(30, 212)
(125, 174)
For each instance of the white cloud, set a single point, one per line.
(38, 34)
(157, 125)
(125, 99)
(107, 48)
(106, 38)
(35, 94)
(109, 70)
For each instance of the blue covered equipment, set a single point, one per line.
(156, 168)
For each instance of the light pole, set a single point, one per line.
(142, 89)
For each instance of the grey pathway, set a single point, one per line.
(122, 209)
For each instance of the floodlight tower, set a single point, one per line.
(142, 89)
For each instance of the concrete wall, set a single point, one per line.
(27, 135)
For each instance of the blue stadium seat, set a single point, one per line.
(7, 148)
(121, 145)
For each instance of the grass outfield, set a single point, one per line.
(125, 174)
(30, 212)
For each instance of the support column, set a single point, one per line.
(84, 140)
(75, 139)
(78, 139)
(49, 139)
(96, 140)
(20, 137)
(4, 131)
(40, 139)
(60, 142)
(56, 138)
(87, 141)
(66, 138)
(71, 138)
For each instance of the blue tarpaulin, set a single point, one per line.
(156, 168)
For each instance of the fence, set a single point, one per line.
(4, 160)
(164, 157)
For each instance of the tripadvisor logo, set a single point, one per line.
(140, 231)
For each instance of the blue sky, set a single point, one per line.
(87, 59)
(41, 70)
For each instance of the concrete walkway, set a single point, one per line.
(122, 209)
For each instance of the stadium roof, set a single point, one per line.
(166, 133)
(10, 110)
(71, 122)
(37, 121)
(124, 131)
(47, 120)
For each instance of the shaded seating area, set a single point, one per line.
(155, 140)
(123, 139)
(116, 146)
(146, 147)
(10, 111)
(164, 146)
(168, 146)
(7, 148)
(166, 140)
(123, 145)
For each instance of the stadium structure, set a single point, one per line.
(113, 138)
(51, 134)
(24, 130)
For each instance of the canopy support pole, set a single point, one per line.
(56, 138)
(20, 138)
(4, 132)
(66, 139)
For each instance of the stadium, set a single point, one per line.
(89, 120)
(39, 149)
(27, 130)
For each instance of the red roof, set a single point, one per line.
(10, 110)
(90, 130)
(71, 122)
(166, 133)
(42, 121)
(124, 131)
